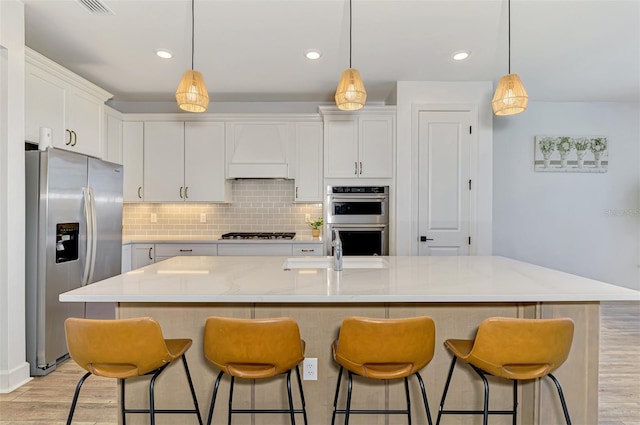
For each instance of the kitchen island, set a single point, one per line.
(457, 292)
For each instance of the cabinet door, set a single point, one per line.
(44, 106)
(113, 152)
(376, 146)
(126, 258)
(142, 255)
(341, 147)
(308, 139)
(204, 161)
(84, 119)
(163, 161)
(133, 161)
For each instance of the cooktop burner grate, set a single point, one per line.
(259, 235)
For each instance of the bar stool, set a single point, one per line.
(125, 349)
(516, 349)
(254, 349)
(383, 349)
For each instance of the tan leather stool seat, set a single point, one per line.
(516, 349)
(125, 349)
(254, 349)
(383, 349)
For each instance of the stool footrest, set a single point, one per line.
(160, 411)
(375, 412)
(266, 411)
(476, 412)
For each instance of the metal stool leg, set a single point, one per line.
(193, 392)
(348, 409)
(152, 403)
(335, 399)
(406, 392)
(291, 413)
(230, 400)
(564, 404)
(424, 397)
(515, 401)
(123, 409)
(213, 397)
(75, 397)
(485, 414)
(304, 408)
(446, 389)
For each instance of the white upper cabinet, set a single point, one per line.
(358, 145)
(204, 171)
(72, 107)
(164, 162)
(258, 149)
(133, 161)
(184, 162)
(113, 139)
(308, 164)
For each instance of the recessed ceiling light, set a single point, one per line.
(461, 55)
(164, 53)
(312, 54)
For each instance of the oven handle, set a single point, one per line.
(357, 198)
(344, 226)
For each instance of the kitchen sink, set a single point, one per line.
(327, 263)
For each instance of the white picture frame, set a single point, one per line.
(571, 154)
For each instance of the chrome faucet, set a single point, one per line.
(337, 251)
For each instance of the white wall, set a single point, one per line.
(14, 370)
(581, 223)
(476, 95)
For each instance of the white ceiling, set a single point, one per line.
(253, 50)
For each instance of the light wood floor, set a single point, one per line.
(46, 400)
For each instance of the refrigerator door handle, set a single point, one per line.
(87, 214)
(94, 235)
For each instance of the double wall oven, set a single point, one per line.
(361, 215)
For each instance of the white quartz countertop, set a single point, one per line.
(403, 279)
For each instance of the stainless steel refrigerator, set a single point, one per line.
(73, 238)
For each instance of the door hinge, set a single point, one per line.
(469, 240)
(469, 184)
(470, 127)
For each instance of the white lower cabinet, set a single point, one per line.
(300, 249)
(125, 265)
(142, 255)
(267, 249)
(169, 250)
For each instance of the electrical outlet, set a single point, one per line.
(310, 369)
(154, 217)
(307, 217)
(203, 217)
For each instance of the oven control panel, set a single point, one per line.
(358, 189)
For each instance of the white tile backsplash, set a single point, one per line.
(257, 206)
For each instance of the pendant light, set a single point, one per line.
(510, 97)
(192, 95)
(350, 94)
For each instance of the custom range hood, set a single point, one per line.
(258, 150)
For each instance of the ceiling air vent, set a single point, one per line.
(96, 7)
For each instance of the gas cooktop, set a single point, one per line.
(258, 235)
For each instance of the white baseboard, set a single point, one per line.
(14, 378)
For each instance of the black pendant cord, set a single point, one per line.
(192, 31)
(509, 37)
(350, 30)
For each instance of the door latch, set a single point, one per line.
(424, 239)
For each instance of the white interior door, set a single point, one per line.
(444, 139)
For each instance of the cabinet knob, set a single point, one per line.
(308, 250)
(181, 193)
(355, 166)
(75, 138)
(360, 167)
(186, 192)
(150, 257)
(139, 192)
(68, 142)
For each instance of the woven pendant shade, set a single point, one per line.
(192, 95)
(350, 94)
(510, 97)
